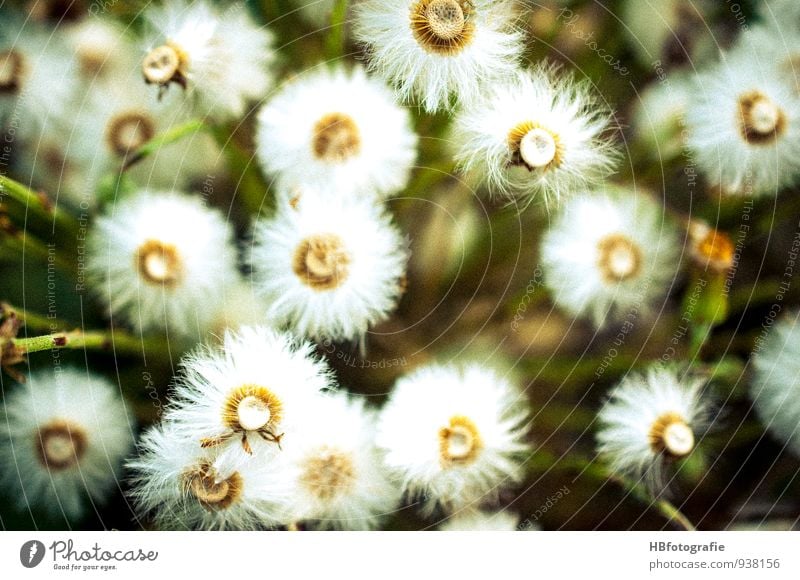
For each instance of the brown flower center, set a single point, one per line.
(328, 473)
(12, 69)
(322, 262)
(61, 444)
(211, 492)
(460, 442)
(159, 263)
(336, 138)
(534, 146)
(671, 435)
(442, 26)
(619, 258)
(761, 120)
(128, 131)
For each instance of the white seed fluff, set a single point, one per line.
(175, 482)
(648, 418)
(540, 134)
(454, 436)
(339, 131)
(62, 441)
(248, 398)
(329, 267)
(435, 49)
(607, 254)
(338, 476)
(222, 57)
(159, 259)
(744, 127)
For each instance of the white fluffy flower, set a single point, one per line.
(434, 49)
(776, 387)
(329, 267)
(472, 520)
(158, 260)
(454, 436)
(650, 418)
(62, 441)
(607, 254)
(37, 80)
(221, 57)
(175, 482)
(250, 397)
(744, 126)
(336, 131)
(539, 134)
(339, 480)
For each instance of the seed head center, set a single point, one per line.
(322, 262)
(619, 258)
(253, 413)
(446, 19)
(538, 148)
(159, 263)
(129, 131)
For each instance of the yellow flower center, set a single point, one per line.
(322, 262)
(442, 27)
(459, 442)
(761, 120)
(328, 473)
(159, 263)
(671, 435)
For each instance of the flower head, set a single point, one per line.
(648, 419)
(221, 57)
(605, 255)
(329, 267)
(156, 271)
(339, 479)
(744, 127)
(538, 134)
(454, 436)
(177, 483)
(338, 131)
(248, 397)
(434, 49)
(63, 441)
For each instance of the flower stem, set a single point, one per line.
(173, 135)
(116, 341)
(37, 205)
(335, 44)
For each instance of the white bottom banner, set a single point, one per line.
(266, 555)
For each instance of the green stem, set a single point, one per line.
(30, 319)
(173, 135)
(37, 205)
(26, 244)
(335, 43)
(117, 341)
